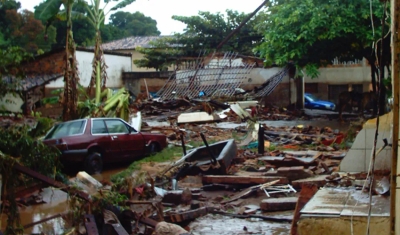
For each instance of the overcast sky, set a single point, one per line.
(163, 10)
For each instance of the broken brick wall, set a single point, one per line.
(52, 63)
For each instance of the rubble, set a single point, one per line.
(278, 204)
(230, 176)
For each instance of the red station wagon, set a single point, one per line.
(96, 141)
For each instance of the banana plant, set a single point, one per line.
(96, 16)
(105, 103)
(62, 10)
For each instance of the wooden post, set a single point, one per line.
(261, 148)
(394, 200)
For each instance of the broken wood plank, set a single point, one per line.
(112, 224)
(318, 180)
(278, 204)
(306, 193)
(233, 179)
(42, 220)
(90, 225)
(291, 173)
(50, 181)
(248, 191)
(267, 218)
(186, 215)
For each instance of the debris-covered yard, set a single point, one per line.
(248, 171)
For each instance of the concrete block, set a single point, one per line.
(369, 140)
(359, 142)
(354, 161)
(382, 161)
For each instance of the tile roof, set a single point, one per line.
(131, 43)
(31, 81)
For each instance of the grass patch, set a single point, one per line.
(167, 154)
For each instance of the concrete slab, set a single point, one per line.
(197, 117)
(358, 205)
(327, 201)
(353, 215)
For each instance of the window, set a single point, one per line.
(67, 129)
(357, 87)
(116, 127)
(335, 90)
(311, 88)
(99, 127)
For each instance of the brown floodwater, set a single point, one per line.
(222, 225)
(56, 202)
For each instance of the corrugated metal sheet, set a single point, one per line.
(30, 81)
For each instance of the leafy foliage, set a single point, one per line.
(20, 28)
(207, 30)
(202, 33)
(10, 61)
(20, 144)
(312, 33)
(161, 54)
(134, 24)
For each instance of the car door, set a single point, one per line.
(105, 141)
(130, 142)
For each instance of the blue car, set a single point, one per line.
(312, 102)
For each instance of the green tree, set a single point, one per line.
(21, 29)
(6, 5)
(110, 33)
(10, 65)
(203, 32)
(312, 33)
(134, 24)
(24, 29)
(207, 30)
(162, 54)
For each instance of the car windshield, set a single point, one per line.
(66, 129)
(311, 97)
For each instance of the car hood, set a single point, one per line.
(321, 102)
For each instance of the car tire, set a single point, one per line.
(153, 148)
(93, 163)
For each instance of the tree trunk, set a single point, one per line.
(99, 73)
(71, 77)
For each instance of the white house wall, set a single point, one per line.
(342, 74)
(116, 64)
(11, 103)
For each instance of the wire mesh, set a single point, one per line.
(212, 75)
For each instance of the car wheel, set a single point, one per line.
(153, 148)
(93, 163)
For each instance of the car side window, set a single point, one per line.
(116, 127)
(99, 127)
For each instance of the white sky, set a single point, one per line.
(163, 10)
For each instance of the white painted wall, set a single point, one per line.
(343, 73)
(116, 65)
(11, 103)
